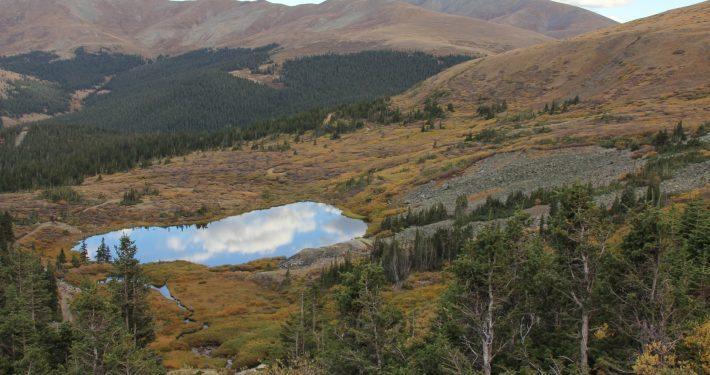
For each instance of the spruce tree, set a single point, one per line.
(7, 236)
(130, 291)
(103, 253)
(84, 253)
(461, 207)
(484, 307)
(26, 308)
(654, 274)
(61, 260)
(103, 345)
(368, 338)
(579, 232)
(679, 135)
(52, 291)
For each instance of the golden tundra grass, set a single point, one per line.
(244, 317)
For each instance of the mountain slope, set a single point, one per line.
(547, 17)
(660, 59)
(155, 27)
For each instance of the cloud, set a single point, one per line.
(175, 244)
(115, 236)
(255, 233)
(597, 3)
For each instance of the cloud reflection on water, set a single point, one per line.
(278, 231)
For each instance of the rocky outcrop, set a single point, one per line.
(328, 254)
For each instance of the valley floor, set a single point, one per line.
(371, 173)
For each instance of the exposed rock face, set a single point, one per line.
(326, 255)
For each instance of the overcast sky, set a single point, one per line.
(620, 10)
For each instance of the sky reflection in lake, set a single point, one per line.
(278, 231)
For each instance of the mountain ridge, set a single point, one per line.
(547, 17)
(157, 27)
(660, 57)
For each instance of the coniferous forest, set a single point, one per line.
(105, 330)
(195, 91)
(588, 290)
(174, 105)
(65, 154)
(565, 279)
(568, 296)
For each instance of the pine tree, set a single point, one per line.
(103, 345)
(483, 307)
(83, 253)
(579, 234)
(103, 253)
(61, 260)
(7, 236)
(368, 338)
(130, 291)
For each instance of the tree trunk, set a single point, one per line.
(488, 334)
(486, 358)
(584, 345)
(313, 321)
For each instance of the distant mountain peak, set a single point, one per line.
(547, 17)
(153, 27)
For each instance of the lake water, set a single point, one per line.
(278, 231)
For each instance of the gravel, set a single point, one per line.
(503, 174)
(691, 177)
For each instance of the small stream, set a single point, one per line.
(165, 292)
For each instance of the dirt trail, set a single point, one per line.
(58, 226)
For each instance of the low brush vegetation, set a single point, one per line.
(61, 194)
